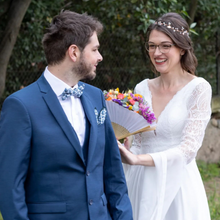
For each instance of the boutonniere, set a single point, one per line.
(100, 116)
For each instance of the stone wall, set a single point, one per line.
(210, 150)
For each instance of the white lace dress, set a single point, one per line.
(173, 189)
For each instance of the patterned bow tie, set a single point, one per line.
(76, 92)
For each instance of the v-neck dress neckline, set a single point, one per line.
(170, 101)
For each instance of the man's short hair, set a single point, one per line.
(66, 29)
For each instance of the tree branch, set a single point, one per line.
(192, 12)
(4, 6)
(16, 14)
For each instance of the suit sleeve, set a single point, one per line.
(114, 179)
(15, 136)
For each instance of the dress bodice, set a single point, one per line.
(181, 122)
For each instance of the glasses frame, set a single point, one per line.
(159, 45)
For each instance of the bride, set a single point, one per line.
(160, 168)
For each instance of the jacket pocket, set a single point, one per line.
(57, 207)
(104, 200)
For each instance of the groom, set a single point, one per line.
(59, 159)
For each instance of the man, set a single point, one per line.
(59, 159)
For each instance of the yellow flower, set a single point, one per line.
(138, 95)
(130, 107)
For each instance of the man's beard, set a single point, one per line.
(84, 70)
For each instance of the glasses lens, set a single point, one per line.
(146, 46)
(150, 47)
(165, 48)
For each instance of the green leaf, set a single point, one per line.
(151, 21)
(185, 13)
(193, 31)
(193, 25)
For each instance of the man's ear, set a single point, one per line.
(73, 52)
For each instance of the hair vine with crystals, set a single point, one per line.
(168, 25)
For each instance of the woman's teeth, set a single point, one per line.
(160, 61)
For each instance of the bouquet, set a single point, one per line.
(129, 113)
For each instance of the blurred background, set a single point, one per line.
(125, 63)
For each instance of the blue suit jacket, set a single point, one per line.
(43, 175)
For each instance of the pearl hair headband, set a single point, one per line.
(168, 25)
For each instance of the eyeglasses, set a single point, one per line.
(163, 48)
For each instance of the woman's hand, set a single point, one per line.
(127, 143)
(126, 156)
(129, 158)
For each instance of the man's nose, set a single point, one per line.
(100, 58)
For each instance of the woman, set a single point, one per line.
(161, 172)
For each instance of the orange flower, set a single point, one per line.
(133, 102)
(109, 98)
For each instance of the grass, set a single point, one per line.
(211, 178)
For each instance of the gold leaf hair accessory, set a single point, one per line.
(168, 25)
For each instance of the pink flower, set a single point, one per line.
(132, 101)
(120, 96)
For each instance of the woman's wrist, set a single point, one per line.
(144, 160)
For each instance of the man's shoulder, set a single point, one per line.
(26, 94)
(25, 91)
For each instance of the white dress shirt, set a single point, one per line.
(72, 106)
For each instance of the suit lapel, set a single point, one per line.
(56, 109)
(89, 111)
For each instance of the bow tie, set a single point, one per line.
(76, 92)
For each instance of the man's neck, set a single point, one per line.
(63, 73)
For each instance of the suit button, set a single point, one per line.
(90, 202)
(87, 173)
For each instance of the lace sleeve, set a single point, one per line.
(136, 144)
(199, 111)
(137, 141)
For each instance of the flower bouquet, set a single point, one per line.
(129, 113)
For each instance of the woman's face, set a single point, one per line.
(168, 60)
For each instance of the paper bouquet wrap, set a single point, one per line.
(129, 113)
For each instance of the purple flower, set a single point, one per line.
(136, 103)
(117, 101)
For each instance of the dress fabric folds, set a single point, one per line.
(173, 189)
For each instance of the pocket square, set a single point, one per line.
(100, 117)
